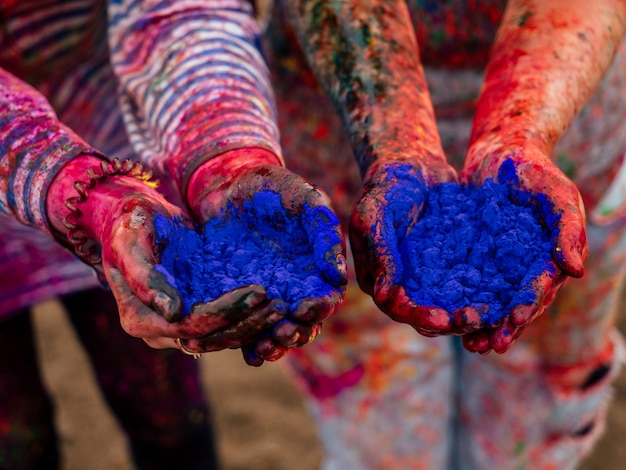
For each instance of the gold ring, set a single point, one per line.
(184, 350)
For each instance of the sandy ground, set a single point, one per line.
(260, 418)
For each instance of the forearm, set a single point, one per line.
(34, 146)
(194, 84)
(548, 58)
(365, 55)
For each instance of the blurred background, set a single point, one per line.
(260, 419)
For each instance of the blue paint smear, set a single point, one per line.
(479, 246)
(255, 243)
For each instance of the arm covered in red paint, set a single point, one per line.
(548, 58)
(365, 56)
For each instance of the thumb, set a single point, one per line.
(571, 249)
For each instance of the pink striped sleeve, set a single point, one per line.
(34, 145)
(193, 79)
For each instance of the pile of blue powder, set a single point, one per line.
(479, 246)
(255, 243)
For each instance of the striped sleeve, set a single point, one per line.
(34, 145)
(194, 83)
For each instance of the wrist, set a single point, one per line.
(434, 169)
(84, 194)
(223, 168)
(490, 152)
(62, 188)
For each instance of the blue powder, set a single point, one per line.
(256, 243)
(479, 246)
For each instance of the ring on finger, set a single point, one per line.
(184, 350)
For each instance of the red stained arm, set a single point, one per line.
(365, 56)
(548, 58)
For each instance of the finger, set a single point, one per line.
(251, 357)
(229, 308)
(522, 314)
(136, 318)
(545, 287)
(315, 310)
(244, 332)
(571, 249)
(295, 335)
(130, 249)
(270, 350)
(387, 290)
(327, 239)
(563, 213)
(140, 321)
(477, 341)
(465, 320)
(371, 245)
(149, 285)
(242, 298)
(161, 343)
(433, 320)
(502, 337)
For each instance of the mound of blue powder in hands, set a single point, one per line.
(479, 246)
(257, 243)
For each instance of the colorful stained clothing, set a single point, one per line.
(89, 77)
(383, 396)
(73, 82)
(116, 79)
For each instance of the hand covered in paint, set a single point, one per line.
(120, 215)
(563, 212)
(289, 246)
(390, 204)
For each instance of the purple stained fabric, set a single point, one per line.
(257, 243)
(479, 246)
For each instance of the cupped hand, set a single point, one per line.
(149, 303)
(266, 199)
(110, 207)
(531, 171)
(389, 205)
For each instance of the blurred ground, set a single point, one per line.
(260, 419)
